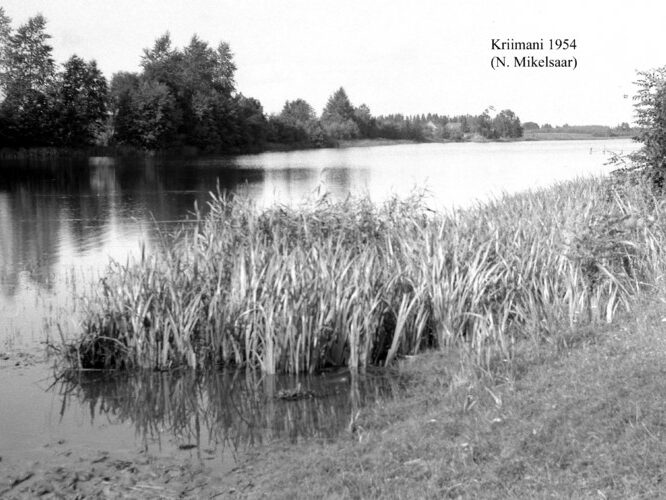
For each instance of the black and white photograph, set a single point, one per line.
(332, 249)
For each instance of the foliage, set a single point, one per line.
(28, 64)
(184, 97)
(121, 93)
(507, 124)
(5, 32)
(351, 283)
(434, 127)
(43, 106)
(26, 80)
(651, 118)
(297, 112)
(80, 103)
(338, 118)
(367, 124)
(297, 123)
(250, 124)
(143, 110)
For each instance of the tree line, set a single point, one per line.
(621, 130)
(185, 97)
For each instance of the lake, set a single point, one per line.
(61, 221)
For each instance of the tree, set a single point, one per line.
(143, 111)
(28, 64)
(507, 124)
(5, 32)
(26, 81)
(251, 123)
(123, 87)
(297, 113)
(81, 103)
(297, 123)
(162, 63)
(338, 117)
(201, 82)
(650, 108)
(155, 108)
(484, 125)
(207, 70)
(367, 124)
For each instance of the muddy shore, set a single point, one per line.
(43, 454)
(59, 468)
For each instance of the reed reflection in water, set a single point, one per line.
(216, 411)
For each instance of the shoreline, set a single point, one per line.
(566, 417)
(44, 153)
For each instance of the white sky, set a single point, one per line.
(414, 56)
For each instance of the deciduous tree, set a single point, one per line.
(507, 124)
(650, 105)
(26, 80)
(338, 117)
(297, 112)
(81, 103)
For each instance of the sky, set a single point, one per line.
(409, 57)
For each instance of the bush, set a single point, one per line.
(651, 118)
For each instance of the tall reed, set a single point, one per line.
(355, 283)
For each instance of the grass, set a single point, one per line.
(583, 421)
(562, 136)
(352, 283)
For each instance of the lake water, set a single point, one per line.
(61, 222)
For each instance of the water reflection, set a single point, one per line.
(56, 214)
(223, 410)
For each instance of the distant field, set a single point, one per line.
(562, 136)
(527, 136)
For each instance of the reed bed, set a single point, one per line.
(355, 283)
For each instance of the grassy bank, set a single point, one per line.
(577, 421)
(352, 283)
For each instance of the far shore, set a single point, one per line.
(366, 143)
(539, 136)
(57, 152)
(568, 136)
